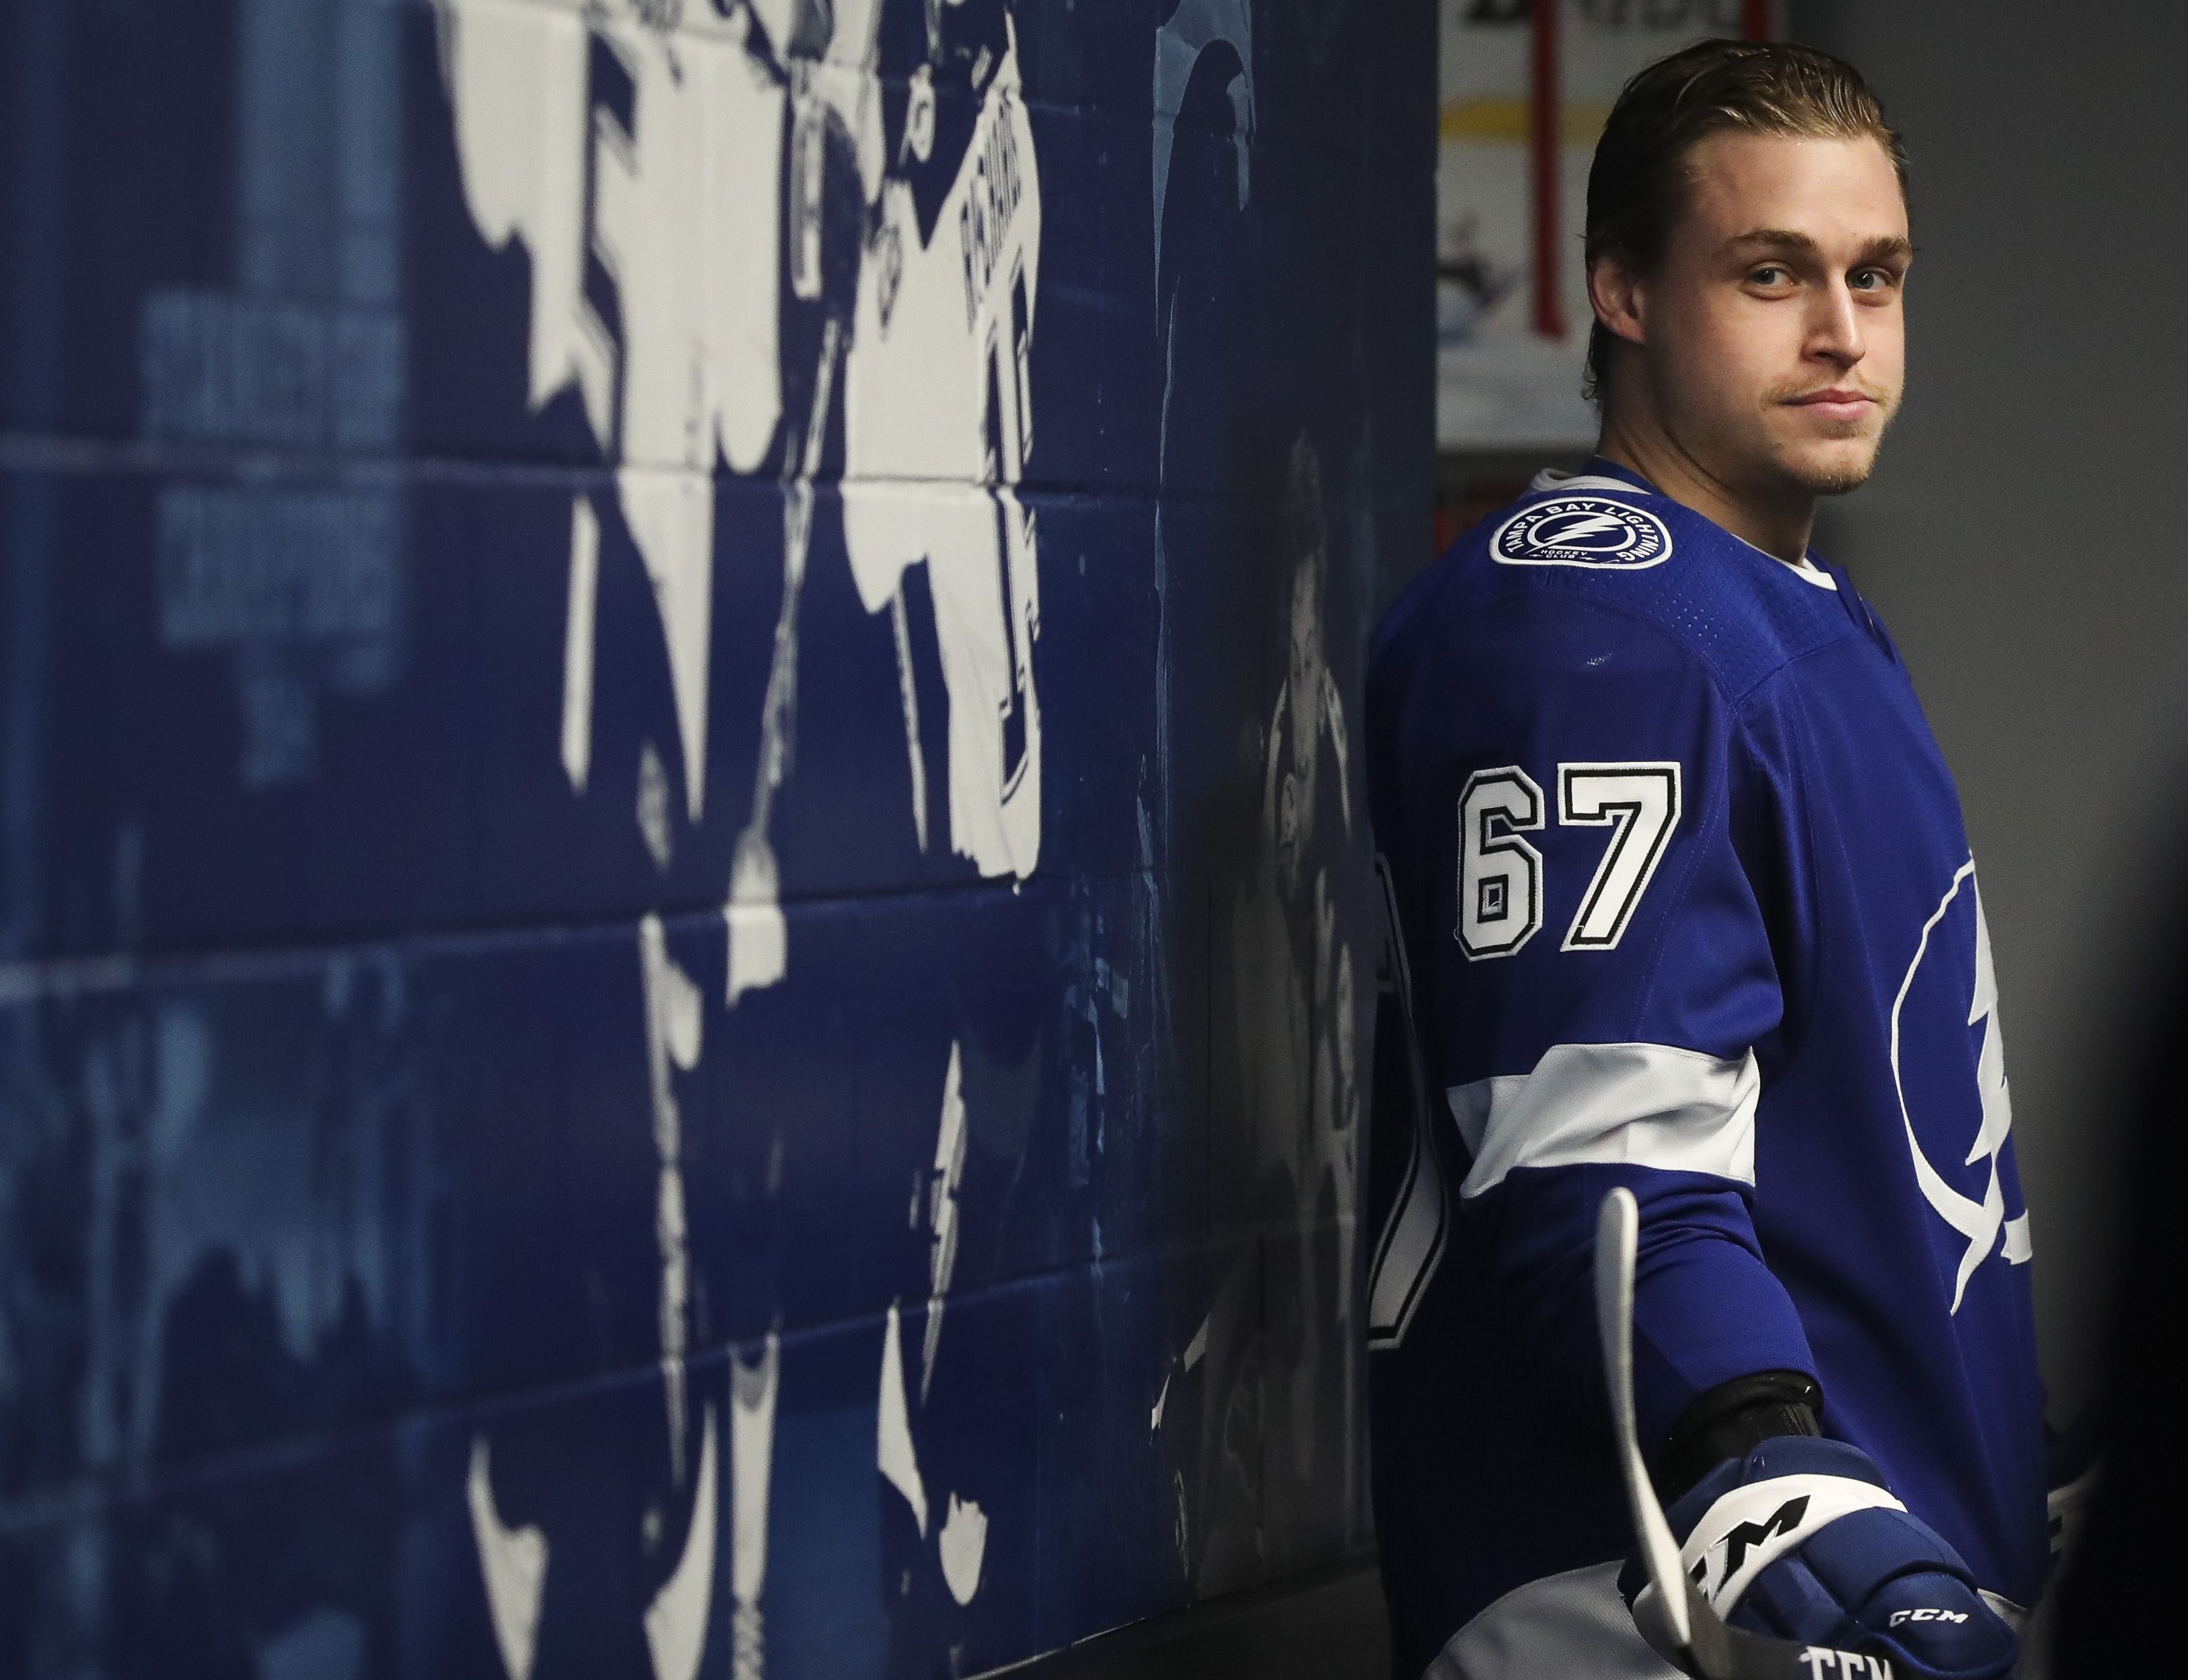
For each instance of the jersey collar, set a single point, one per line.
(1602, 473)
(1599, 474)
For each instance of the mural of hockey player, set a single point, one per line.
(1299, 1016)
(615, 154)
(1209, 1416)
(938, 424)
(1268, 1373)
(775, 240)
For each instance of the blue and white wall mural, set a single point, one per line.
(685, 953)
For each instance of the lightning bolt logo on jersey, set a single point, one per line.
(1582, 531)
(1686, 904)
(1953, 958)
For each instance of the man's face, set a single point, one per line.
(1774, 332)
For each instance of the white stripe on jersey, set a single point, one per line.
(1646, 1105)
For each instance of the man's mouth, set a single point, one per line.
(1838, 403)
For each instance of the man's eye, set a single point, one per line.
(1872, 279)
(1769, 275)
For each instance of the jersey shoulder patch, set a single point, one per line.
(1565, 528)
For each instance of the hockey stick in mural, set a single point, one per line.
(1673, 1615)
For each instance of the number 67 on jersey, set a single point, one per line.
(1500, 874)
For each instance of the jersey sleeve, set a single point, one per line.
(1574, 825)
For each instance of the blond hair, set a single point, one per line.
(1638, 184)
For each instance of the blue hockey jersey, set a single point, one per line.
(1684, 903)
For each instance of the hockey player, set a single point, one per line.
(1686, 904)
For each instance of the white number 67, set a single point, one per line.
(1500, 874)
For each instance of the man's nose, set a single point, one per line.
(1834, 328)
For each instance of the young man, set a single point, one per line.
(1685, 904)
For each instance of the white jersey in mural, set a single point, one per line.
(938, 423)
(672, 179)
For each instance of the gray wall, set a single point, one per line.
(2024, 539)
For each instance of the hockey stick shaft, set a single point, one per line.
(1617, 1240)
(1679, 1622)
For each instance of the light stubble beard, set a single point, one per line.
(1836, 480)
(1841, 476)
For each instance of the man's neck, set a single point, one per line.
(1778, 524)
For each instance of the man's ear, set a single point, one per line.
(1616, 296)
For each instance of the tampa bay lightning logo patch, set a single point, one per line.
(1582, 531)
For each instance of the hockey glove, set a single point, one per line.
(1801, 1539)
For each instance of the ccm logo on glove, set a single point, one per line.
(1749, 1528)
(1798, 1539)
